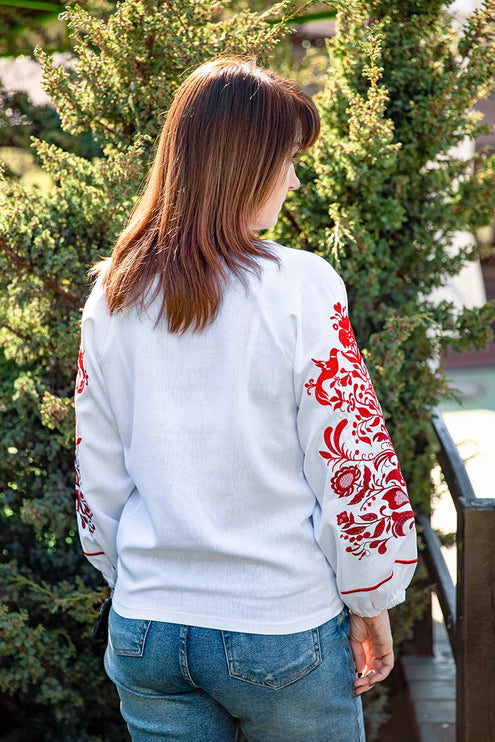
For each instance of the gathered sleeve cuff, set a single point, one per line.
(363, 520)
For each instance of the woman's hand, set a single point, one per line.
(371, 644)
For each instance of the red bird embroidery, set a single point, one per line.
(329, 369)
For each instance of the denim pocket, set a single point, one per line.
(127, 636)
(271, 660)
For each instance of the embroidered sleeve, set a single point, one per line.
(102, 482)
(363, 520)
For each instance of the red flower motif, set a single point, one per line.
(344, 519)
(346, 335)
(400, 520)
(82, 508)
(396, 498)
(344, 481)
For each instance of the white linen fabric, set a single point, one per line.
(240, 478)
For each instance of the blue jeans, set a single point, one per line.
(182, 683)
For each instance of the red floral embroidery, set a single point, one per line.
(345, 481)
(82, 508)
(360, 453)
(82, 376)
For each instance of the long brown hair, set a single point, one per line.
(230, 129)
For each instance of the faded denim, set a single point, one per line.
(181, 683)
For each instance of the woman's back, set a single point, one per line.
(218, 529)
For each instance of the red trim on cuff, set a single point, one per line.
(365, 589)
(93, 553)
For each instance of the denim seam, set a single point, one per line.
(316, 643)
(357, 700)
(144, 637)
(183, 657)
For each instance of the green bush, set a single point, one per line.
(383, 196)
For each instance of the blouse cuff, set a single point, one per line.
(398, 597)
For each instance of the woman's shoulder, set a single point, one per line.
(302, 265)
(96, 304)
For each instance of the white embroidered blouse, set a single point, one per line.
(241, 478)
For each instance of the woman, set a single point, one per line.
(236, 484)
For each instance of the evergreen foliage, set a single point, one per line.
(129, 67)
(383, 195)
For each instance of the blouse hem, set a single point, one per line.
(227, 623)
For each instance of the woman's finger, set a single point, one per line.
(359, 655)
(361, 685)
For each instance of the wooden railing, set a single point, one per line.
(469, 608)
